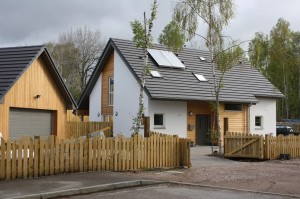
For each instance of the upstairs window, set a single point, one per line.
(110, 91)
(233, 107)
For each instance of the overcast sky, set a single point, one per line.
(34, 22)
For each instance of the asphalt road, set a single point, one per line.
(178, 192)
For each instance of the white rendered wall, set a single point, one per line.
(175, 115)
(126, 98)
(267, 109)
(95, 101)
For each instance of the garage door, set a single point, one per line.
(29, 122)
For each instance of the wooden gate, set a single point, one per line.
(243, 145)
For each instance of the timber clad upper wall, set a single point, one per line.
(12, 63)
(236, 119)
(36, 80)
(108, 72)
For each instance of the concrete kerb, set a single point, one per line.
(91, 189)
(233, 189)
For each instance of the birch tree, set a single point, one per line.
(172, 36)
(215, 14)
(143, 38)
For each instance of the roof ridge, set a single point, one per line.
(14, 47)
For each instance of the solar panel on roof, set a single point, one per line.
(159, 58)
(173, 59)
(166, 58)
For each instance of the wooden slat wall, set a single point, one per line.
(237, 120)
(196, 108)
(76, 118)
(107, 72)
(77, 129)
(35, 81)
(52, 156)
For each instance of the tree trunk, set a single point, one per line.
(142, 83)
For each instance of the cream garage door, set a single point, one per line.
(29, 122)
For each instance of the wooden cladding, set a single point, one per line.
(237, 120)
(35, 89)
(195, 108)
(107, 73)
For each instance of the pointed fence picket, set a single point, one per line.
(31, 158)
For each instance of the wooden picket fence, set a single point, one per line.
(31, 158)
(78, 128)
(257, 146)
(274, 146)
(243, 145)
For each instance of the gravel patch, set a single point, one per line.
(276, 176)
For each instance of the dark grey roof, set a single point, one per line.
(242, 83)
(14, 61)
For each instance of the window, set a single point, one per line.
(159, 120)
(233, 107)
(155, 73)
(110, 91)
(200, 78)
(258, 122)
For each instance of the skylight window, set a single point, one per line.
(155, 73)
(200, 78)
(202, 58)
(166, 58)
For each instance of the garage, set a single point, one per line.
(30, 122)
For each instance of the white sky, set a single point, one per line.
(33, 22)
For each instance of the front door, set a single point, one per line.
(203, 129)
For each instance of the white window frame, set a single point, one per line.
(110, 93)
(164, 121)
(261, 122)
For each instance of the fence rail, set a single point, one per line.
(257, 146)
(31, 158)
(78, 128)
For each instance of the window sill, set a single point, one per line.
(159, 127)
(259, 128)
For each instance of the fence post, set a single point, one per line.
(266, 148)
(146, 126)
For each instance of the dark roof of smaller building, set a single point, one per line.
(242, 84)
(14, 61)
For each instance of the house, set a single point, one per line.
(33, 97)
(178, 93)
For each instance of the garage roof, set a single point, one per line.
(14, 61)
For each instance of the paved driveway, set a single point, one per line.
(200, 157)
